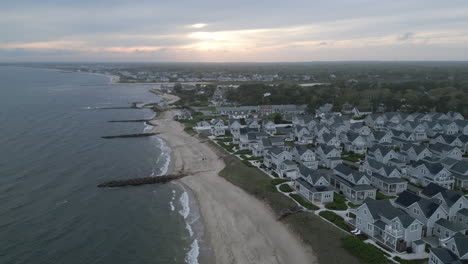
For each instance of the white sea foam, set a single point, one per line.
(165, 154)
(192, 255)
(184, 201)
(172, 206)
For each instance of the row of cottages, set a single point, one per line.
(237, 112)
(388, 225)
(313, 185)
(440, 214)
(353, 184)
(421, 125)
(460, 141)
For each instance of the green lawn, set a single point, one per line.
(278, 181)
(381, 196)
(303, 202)
(339, 203)
(367, 253)
(336, 219)
(285, 188)
(412, 261)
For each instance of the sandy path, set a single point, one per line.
(241, 229)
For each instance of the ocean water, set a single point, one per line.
(51, 159)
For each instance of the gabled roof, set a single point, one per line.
(383, 208)
(406, 199)
(326, 148)
(301, 149)
(357, 176)
(444, 255)
(276, 150)
(461, 241)
(460, 167)
(433, 168)
(428, 206)
(449, 225)
(440, 147)
(432, 189)
(345, 170)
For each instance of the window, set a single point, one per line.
(365, 211)
(414, 227)
(416, 211)
(453, 248)
(369, 227)
(358, 220)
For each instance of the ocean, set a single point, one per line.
(52, 157)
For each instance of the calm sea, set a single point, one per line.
(51, 159)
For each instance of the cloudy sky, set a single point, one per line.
(240, 30)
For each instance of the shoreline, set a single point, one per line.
(244, 231)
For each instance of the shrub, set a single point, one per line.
(339, 203)
(303, 202)
(381, 196)
(285, 188)
(243, 152)
(411, 261)
(367, 253)
(246, 162)
(278, 181)
(336, 219)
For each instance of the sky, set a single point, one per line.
(232, 31)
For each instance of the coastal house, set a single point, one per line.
(382, 153)
(443, 151)
(304, 155)
(184, 114)
(452, 200)
(454, 250)
(427, 211)
(424, 173)
(352, 184)
(390, 186)
(462, 126)
(234, 128)
(274, 157)
(388, 225)
(460, 173)
(217, 128)
(360, 111)
(269, 127)
(313, 185)
(328, 155)
(355, 143)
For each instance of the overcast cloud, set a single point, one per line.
(117, 30)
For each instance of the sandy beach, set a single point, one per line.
(240, 228)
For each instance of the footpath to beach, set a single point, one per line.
(240, 228)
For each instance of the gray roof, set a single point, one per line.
(439, 147)
(407, 198)
(433, 168)
(463, 212)
(460, 167)
(449, 225)
(389, 180)
(383, 208)
(301, 149)
(444, 255)
(344, 169)
(462, 243)
(312, 188)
